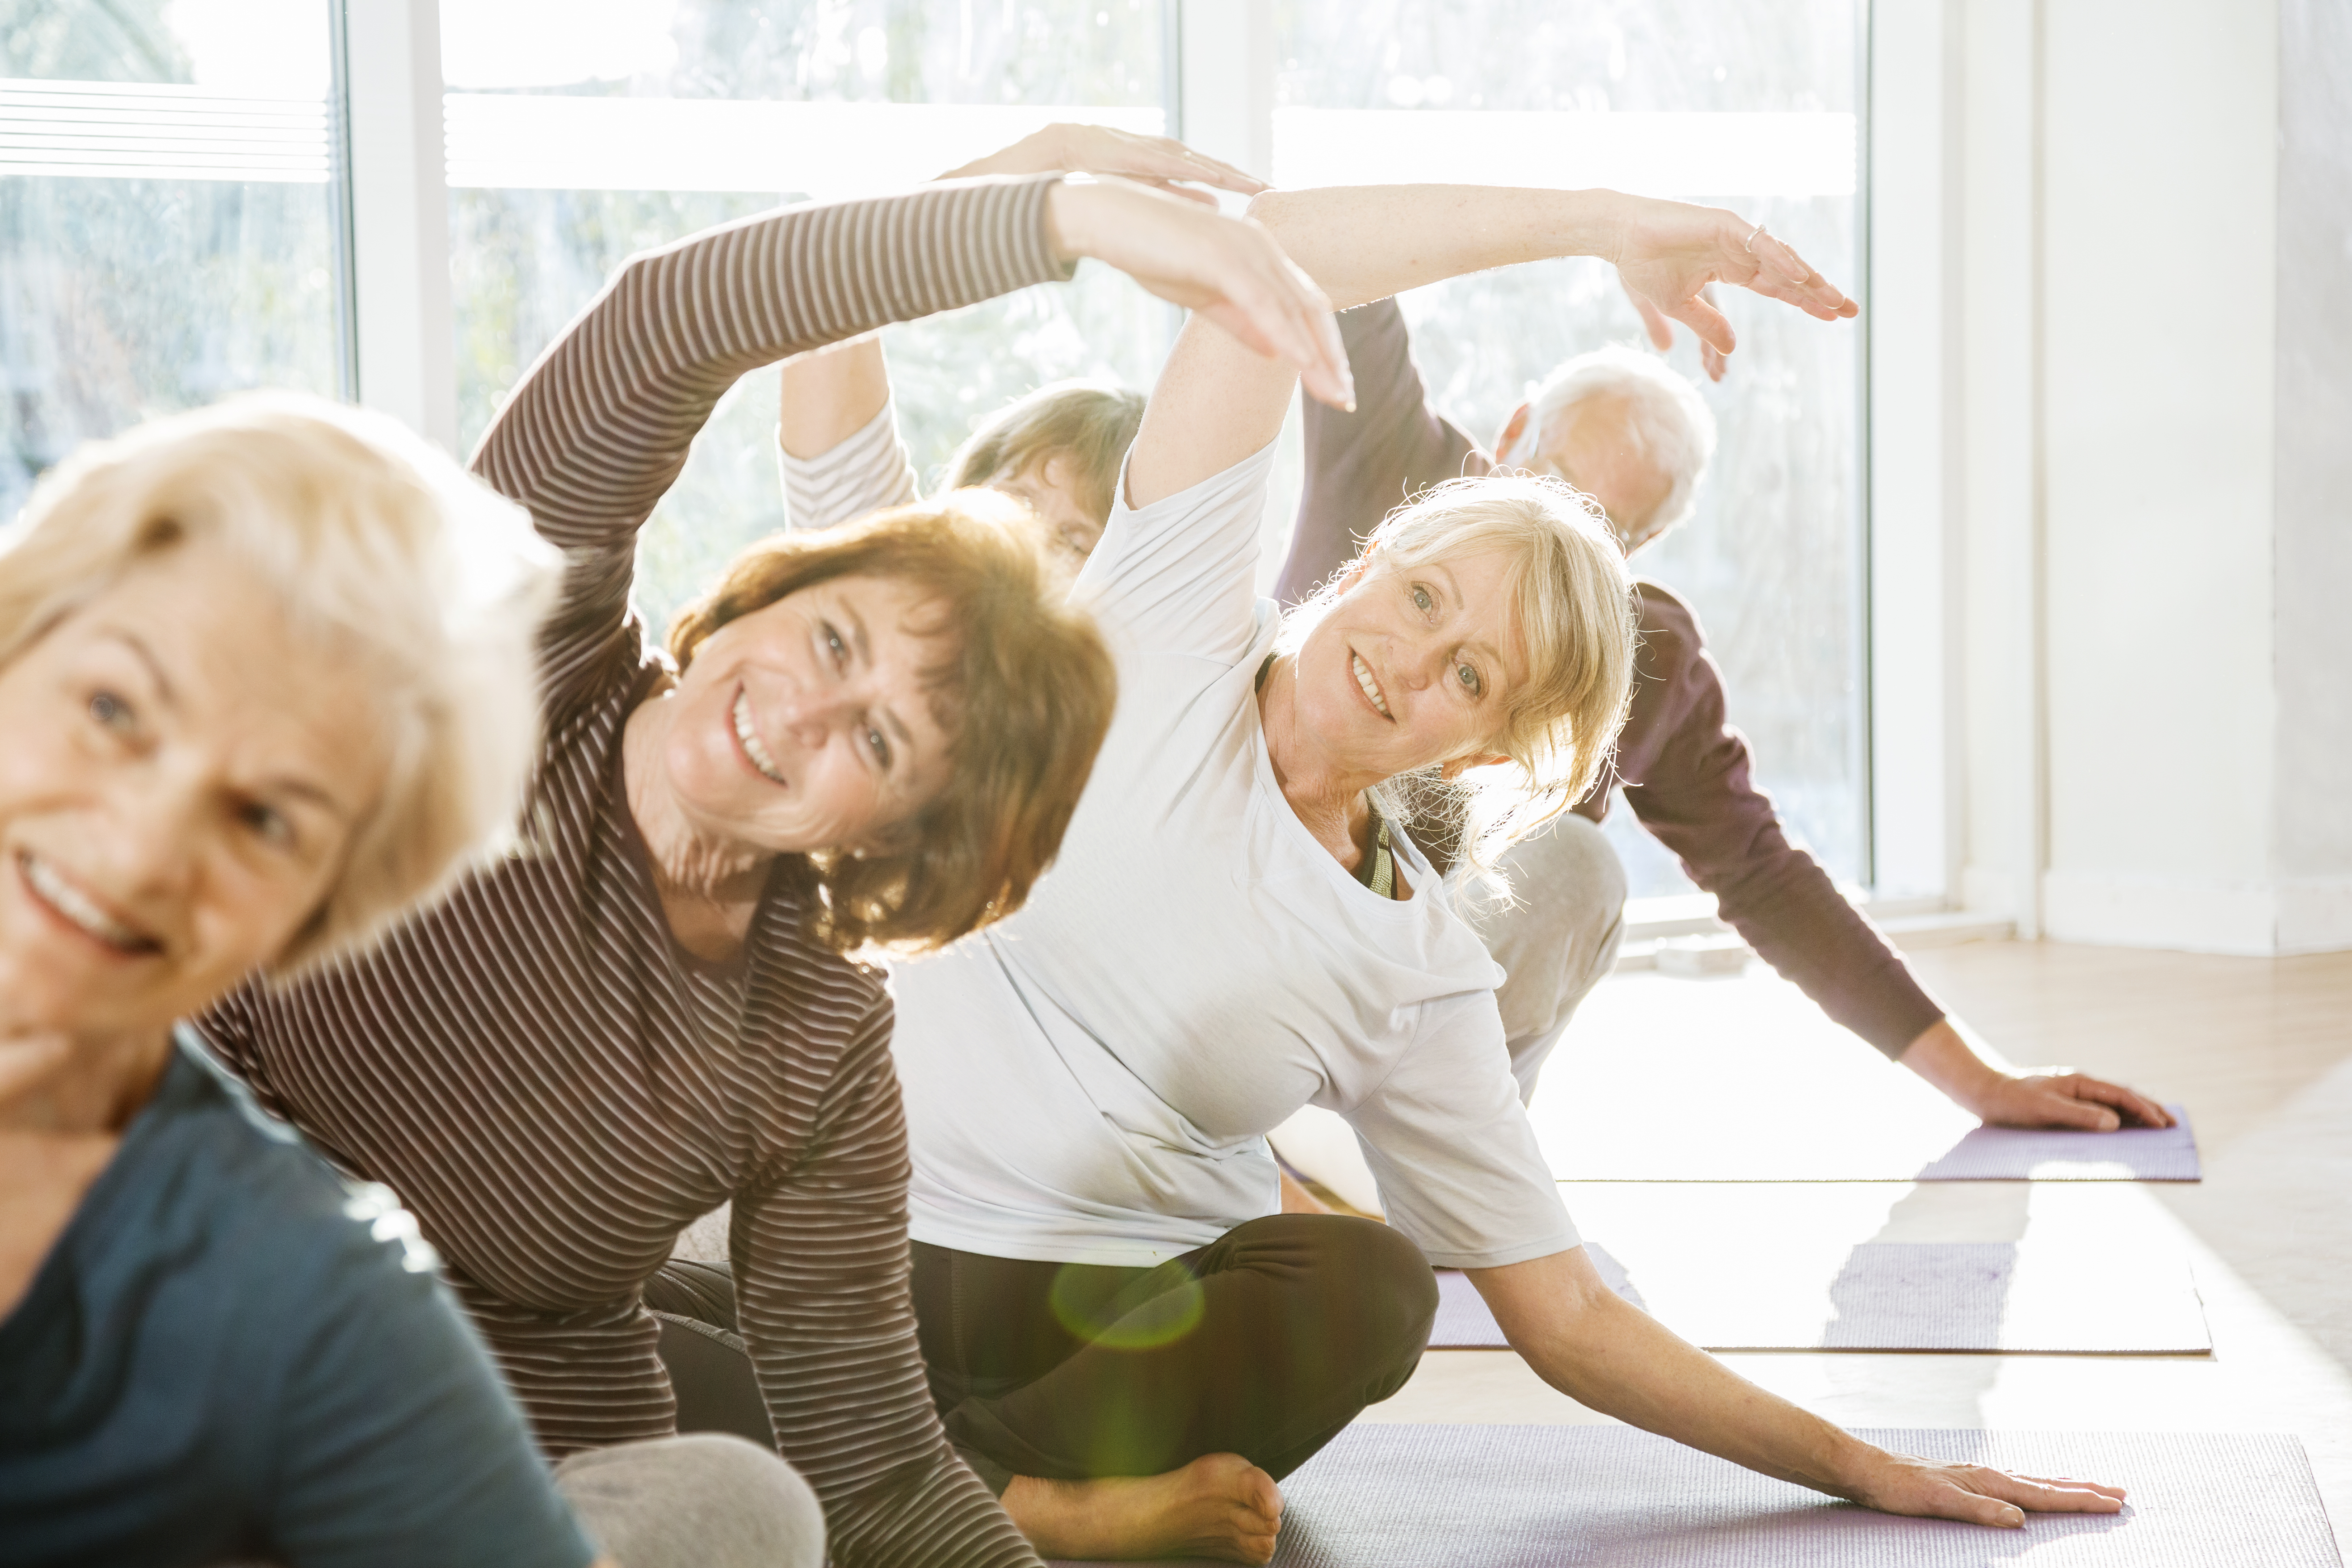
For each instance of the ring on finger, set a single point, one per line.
(1750, 246)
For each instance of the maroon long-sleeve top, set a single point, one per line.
(1687, 771)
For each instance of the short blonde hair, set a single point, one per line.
(1575, 613)
(1089, 423)
(1023, 686)
(379, 547)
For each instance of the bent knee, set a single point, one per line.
(1572, 855)
(1388, 1280)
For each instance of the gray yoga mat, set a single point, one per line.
(1891, 1296)
(1549, 1497)
(1899, 1150)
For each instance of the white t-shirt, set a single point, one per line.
(1092, 1080)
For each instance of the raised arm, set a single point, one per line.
(1215, 403)
(600, 427)
(835, 392)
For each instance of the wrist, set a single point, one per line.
(1595, 223)
(1851, 1465)
(1067, 219)
(1944, 1058)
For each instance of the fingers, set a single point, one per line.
(1708, 322)
(1955, 1501)
(1216, 172)
(2138, 1108)
(2046, 1103)
(1193, 194)
(1307, 337)
(1800, 284)
(1653, 322)
(2036, 1495)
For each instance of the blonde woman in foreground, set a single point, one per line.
(266, 673)
(1127, 1339)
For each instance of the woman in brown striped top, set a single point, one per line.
(645, 1014)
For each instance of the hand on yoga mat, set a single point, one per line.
(1160, 161)
(1229, 269)
(1944, 1056)
(1974, 1494)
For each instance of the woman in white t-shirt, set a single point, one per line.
(1125, 1337)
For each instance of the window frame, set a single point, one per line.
(1218, 90)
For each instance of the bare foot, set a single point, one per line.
(1218, 1506)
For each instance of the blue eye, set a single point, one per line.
(881, 747)
(1421, 599)
(111, 711)
(1468, 676)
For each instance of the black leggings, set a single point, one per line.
(1263, 1343)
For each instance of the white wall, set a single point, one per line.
(2159, 206)
(2313, 479)
(2000, 517)
(2152, 467)
(1914, 474)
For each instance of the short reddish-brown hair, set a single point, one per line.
(1025, 690)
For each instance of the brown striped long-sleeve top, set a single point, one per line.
(548, 1080)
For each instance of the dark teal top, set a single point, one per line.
(233, 1352)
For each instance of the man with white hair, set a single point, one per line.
(1635, 437)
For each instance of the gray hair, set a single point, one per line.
(375, 542)
(1666, 421)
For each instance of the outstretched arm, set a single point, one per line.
(1215, 404)
(1612, 1356)
(831, 394)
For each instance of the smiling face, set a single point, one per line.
(805, 724)
(181, 779)
(1411, 666)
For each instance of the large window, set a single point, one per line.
(1746, 103)
(168, 234)
(578, 134)
(166, 213)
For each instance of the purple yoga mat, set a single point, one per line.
(1860, 1151)
(1550, 1497)
(1989, 1297)
(2130, 1154)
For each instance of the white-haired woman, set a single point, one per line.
(267, 677)
(1127, 1339)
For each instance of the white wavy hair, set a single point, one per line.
(382, 549)
(1666, 421)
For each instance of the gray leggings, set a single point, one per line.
(702, 1501)
(1556, 937)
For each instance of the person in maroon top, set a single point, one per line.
(1630, 433)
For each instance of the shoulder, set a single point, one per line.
(1671, 636)
(825, 1005)
(280, 1209)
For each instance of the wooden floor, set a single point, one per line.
(2260, 1051)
